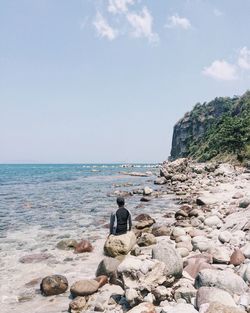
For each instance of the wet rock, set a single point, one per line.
(84, 287)
(225, 280)
(212, 294)
(145, 199)
(146, 239)
(77, 305)
(35, 258)
(164, 252)
(144, 307)
(119, 245)
(66, 244)
(53, 285)
(237, 258)
(83, 246)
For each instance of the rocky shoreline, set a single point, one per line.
(192, 259)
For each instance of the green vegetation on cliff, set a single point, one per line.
(218, 129)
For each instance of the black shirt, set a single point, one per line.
(123, 218)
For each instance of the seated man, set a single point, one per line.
(120, 221)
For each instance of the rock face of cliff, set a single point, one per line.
(195, 133)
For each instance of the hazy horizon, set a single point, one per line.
(104, 81)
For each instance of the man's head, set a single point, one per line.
(120, 201)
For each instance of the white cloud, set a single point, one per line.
(221, 70)
(244, 58)
(175, 21)
(103, 28)
(142, 24)
(217, 12)
(119, 6)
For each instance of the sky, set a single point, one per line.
(89, 81)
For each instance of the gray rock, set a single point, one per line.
(225, 236)
(166, 253)
(146, 239)
(212, 294)
(160, 181)
(225, 280)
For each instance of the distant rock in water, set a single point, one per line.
(218, 128)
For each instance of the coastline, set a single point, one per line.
(211, 190)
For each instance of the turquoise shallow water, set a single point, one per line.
(62, 195)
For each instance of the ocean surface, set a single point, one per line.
(43, 204)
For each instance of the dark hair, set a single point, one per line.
(120, 201)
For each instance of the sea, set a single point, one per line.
(41, 204)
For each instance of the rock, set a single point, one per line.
(145, 223)
(161, 293)
(179, 177)
(147, 191)
(186, 245)
(213, 221)
(66, 244)
(212, 294)
(83, 246)
(237, 257)
(84, 287)
(200, 202)
(143, 217)
(194, 213)
(201, 243)
(238, 195)
(77, 304)
(160, 181)
(54, 285)
(184, 252)
(185, 292)
(221, 279)
(119, 245)
(144, 307)
(244, 203)
(178, 231)
(179, 308)
(196, 264)
(161, 230)
(244, 272)
(166, 253)
(246, 250)
(145, 199)
(225, 236)
(108, 267)
(221, 255)
(216, 307)
(146, 239)
(180, 214)
(102, 280)
(35, 258)
(132, 296)
(138, 191)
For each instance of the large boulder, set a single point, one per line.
(108, 267)
(166, 253)
(119, 245)
(54, 285)
(225, 280)
(84, 287)
(179, 308)
(211, 294)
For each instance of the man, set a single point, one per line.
(120, 221)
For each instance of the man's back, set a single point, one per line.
(120, 222)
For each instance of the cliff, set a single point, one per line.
(213, 129)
